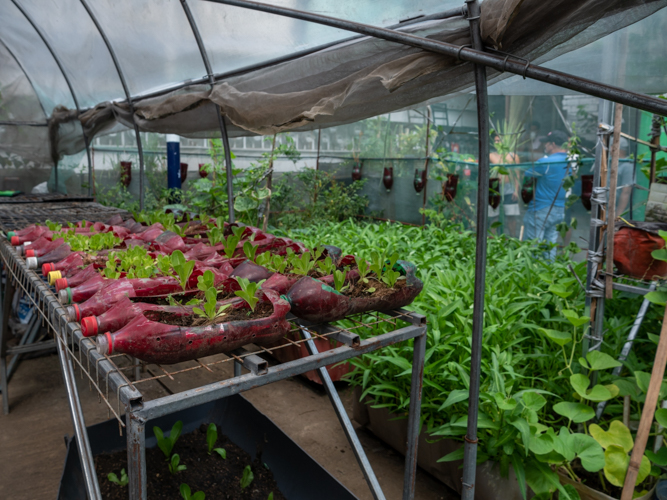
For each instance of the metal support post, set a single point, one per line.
(87, 461)
(414, 416)
(136, 457)
(237, 369)
(470, 447)
(4, 335)
(341, 413)
(218, 110)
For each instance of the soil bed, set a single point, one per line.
(262, 310)
(360, 289)
(218, 478)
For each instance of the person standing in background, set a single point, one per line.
(547, 209)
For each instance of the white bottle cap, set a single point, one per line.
(31, 262)
(62, 297)
(102, 345)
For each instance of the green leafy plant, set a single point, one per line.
(326, 266)
(230, 244)
(120, 482)
(270, 497)
(175, 465)
(211, 438)
(248, 291)
(249, 250)
(302, 265)
(187, 494)
(53, 226)
(206, 283)
(182, 267)
(166, 444)
(247, 477)
(339, 280)
(277, 264)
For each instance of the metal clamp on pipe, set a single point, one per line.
(600, 195)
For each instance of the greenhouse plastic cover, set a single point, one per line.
(342, 83)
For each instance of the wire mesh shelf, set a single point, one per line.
(19, 215)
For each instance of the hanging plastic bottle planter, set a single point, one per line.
(356, 172)
(388, 178)
(125, 173)
(420, 180)
(450, 186)
(586, 190)
(528, 189)
(494, 192)
(184, 172)
(203, 172)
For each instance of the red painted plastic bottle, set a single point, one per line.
(162, 343)
(169, 242)
(115, 291)
(56, 255)
(84, 291)
(74, 259)
(43, 240)
(32, 256)
(30, 234)
(75, 277)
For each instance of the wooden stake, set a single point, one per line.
(646, 421)
(611, 200)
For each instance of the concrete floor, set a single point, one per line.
(32, 447)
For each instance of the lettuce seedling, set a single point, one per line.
(53, 226)
(187, 494)
(326, 266)
(390, 277)
(339, 280)
(248, 291)
(363, 268)
(110, 269)
(182, 267)
(174, 464)
(206, 280)
(166, 444)
(238, 231)
(247, 478)
(249, 250)
(264, 259)
(302, 265)
(230, 245)
(120, 482)
(210, 304)
(215, 235)
(211, 438)
(277, 263)
(163, 262)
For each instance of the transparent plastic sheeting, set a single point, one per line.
(342, 84)
(18, 101)
(632, 58)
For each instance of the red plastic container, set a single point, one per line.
(74, 259)
(84, 291)
(75, 277)
(162, 343)
(114, 291)
(29, 234)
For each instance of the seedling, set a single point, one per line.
(53, 226)
(174, 464)
(302, 265)
(390, 277)
(186, 493)
(278, 264)
(248, 291)
(264, 259)
(166, 444)
(182, 267)
(326, 266)
(339, 280)
(206, 283)
(215, 235)
(114, 478)
(211, 438)
(363, 268)
(238, 231)
(249, 250)
(230, 244)
(247, 478)
(163, 263)
(110, 270)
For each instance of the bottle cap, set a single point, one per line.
(61, 283)
(104, 344)
(47, 268)
(63, 296)
(29, 253)
(71, 313)
(10, 234)
(31, 262)
(89, 326)
(15, 240)
(53, 276)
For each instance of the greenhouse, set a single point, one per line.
(315, 250)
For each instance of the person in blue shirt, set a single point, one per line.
(547, 209)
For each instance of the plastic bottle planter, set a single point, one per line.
(586, 190)
(75, 277)
(356, 172)
(420, 180)
(163, 343)
(494, 192)
(528, 189)
(388, 178)
(125, 173)
(315, 301)
(450, 187)
(184, 172)
(203, 172)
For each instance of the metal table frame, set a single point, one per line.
(118, 392)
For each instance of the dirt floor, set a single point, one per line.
(32, 446)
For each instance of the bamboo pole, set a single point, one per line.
(646, 421)
(611, 200)
(269, 184)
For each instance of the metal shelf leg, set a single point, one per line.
(414, 417)
(136, 457)
(4, 331)
(358, 450)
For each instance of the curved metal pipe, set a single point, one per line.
(71, 89)
(221, 120)
(128, 96)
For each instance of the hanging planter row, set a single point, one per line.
(163, 297)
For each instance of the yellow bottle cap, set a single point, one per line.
(53, 276)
